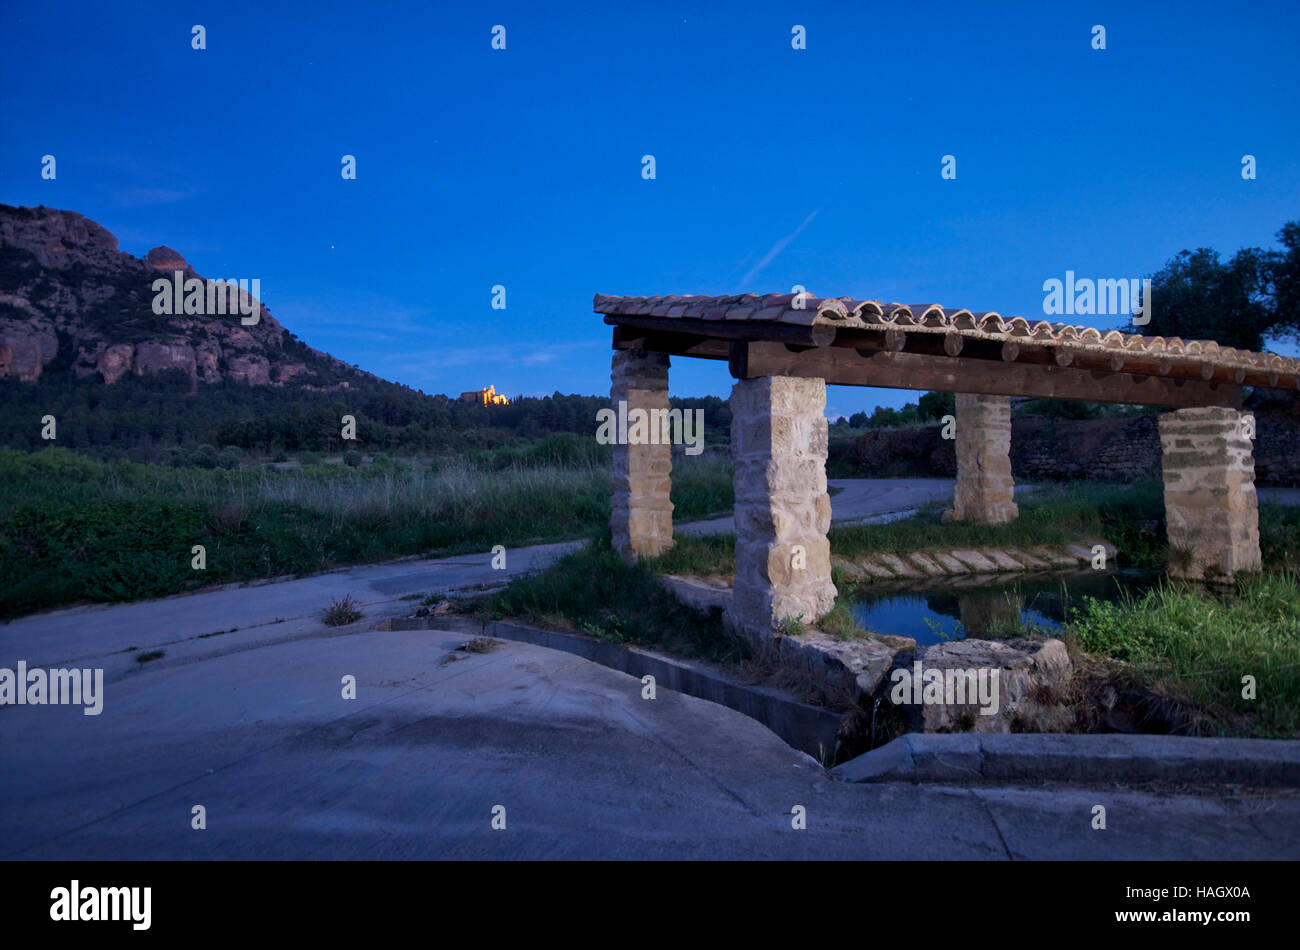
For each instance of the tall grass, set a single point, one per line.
(74, 529)
(1196, 648)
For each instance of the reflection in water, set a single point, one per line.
(994, 610)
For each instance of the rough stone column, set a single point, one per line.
(1210, 504)
(783, 558)
(641, 519)
(985, 489)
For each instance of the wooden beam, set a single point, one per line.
(676, 344)
(688, 336)
(867, 367)
(820, 335)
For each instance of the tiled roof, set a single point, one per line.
(1269, 368)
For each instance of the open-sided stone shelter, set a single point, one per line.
(783, 349)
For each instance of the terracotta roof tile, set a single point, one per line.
(932, 318)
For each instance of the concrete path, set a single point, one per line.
(1281, 496)
(415, 765)
(860, 500)
(252, 614)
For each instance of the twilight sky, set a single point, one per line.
(523, 167)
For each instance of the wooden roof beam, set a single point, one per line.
(900, 370)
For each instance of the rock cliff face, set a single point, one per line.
(68, 294)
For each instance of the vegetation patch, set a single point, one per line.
(1196, 649)
(709, 555)
(595, 591)
(342, 612)
(1279, 536)
(839, 622)
(1129, 516)
(479, 645)
(74, 529)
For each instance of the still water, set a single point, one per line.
(934, 614)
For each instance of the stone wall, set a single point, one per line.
(1120, 450)
(1277, 437)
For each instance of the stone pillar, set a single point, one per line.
(985, 490)
(783, 558)
(1211, 509)
(641, 519)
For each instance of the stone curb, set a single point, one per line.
(963, 758)
(810, 729)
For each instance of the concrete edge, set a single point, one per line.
(958, 758)
(810, 729)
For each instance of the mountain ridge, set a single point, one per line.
(69, 294)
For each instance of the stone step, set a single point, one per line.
(950, 563)
(1003, 560)
(976, 562)
(961, 563)
(896, 564)
(926, 565)
(875, 570)
(1057, 557)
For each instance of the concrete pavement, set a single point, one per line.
(256, 613)
(582, 764)
(243, 715)
(860, 500)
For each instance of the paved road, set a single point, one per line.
(861, 500)
(1282, 496)
(584, 767)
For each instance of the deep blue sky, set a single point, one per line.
(523, 167)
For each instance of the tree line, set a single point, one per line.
(139, 417)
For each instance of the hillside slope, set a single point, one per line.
(69, 297)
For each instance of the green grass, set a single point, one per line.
(1279, 536)
(1195, 647)
(839, 622)
(1129, 516)
(73, 529)
(698, 555)
(597, 592)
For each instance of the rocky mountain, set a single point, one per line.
(70, 299)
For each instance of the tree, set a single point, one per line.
(884, 418)
(1196, 296)
(1240, 302)
(1283, 278)
(934, 406)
